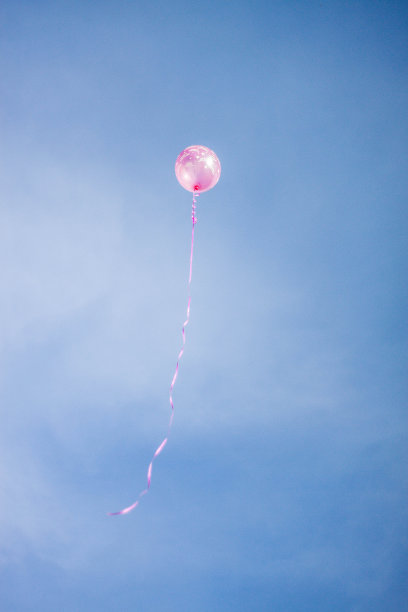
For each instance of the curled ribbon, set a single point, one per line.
(161, 446)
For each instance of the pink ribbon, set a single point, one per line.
(161, 446)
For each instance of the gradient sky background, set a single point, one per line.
(283, 487)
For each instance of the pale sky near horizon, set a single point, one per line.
(283, 486)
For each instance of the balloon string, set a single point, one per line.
(161, 446)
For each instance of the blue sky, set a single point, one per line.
(283, 486)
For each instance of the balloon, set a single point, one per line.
(198, 169)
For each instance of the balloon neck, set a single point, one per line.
(196, 187)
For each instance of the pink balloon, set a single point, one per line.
(198, 169)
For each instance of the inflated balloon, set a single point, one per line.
(198, 169)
